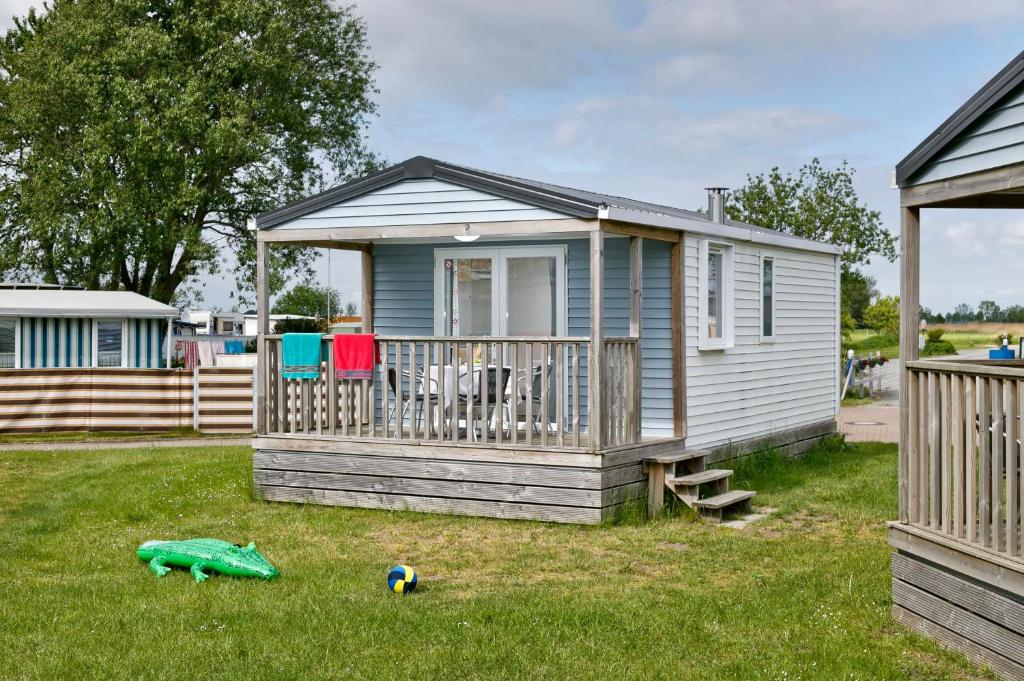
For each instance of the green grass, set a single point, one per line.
(16, 438)
(804, 594)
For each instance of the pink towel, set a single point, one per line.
(355, 355)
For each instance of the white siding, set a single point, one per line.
(420, 202)
(756, 388)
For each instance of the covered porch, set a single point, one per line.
(553, 391)
(958, 574)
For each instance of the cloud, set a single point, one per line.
(967, 239)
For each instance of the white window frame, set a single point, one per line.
(96, 340)
(728, 323)
(17, 340)
(499, 257)
(775, 294)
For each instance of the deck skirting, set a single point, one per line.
(791, 442)
(951, 596)
(521, 490)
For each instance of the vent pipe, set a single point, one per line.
(716, 204)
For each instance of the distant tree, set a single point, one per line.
(138, 136)
(308, 300)
(962, 313)
(857, 291)
(988, 310)
(1014, 314)
(818, 203)
(351, 310)
(883, 315)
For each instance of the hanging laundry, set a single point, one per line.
(300, 355)
(355, 355)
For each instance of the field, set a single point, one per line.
(978, 335)
(802, 595)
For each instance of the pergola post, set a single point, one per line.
(677, 280)
(262, 329)
(367, 302)
(595, 357)
(636, 287)
(910, 285)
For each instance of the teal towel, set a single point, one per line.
(300, 355)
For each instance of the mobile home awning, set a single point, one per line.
(49, 303)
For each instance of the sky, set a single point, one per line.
(657, 100)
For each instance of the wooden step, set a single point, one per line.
(721, 501)
(675, 457)
(702, 478)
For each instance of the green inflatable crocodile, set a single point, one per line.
(206, 554)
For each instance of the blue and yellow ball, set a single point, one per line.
(401, 579)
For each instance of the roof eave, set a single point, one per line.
(736, 232)
(1009, 77)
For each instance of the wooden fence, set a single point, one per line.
(116, 400)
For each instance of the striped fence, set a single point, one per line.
(122, 400)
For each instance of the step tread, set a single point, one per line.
(710, 475)
(675, 457)
(726, 499)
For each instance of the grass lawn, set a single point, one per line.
(802, 595)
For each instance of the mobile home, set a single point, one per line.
(545, 350)
(47, 327)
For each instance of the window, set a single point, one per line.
(715, 296)
(110, 343)
(8, 343)
(767, 298)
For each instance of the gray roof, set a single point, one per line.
(90, 304)
(1002, 84)
(576, 202)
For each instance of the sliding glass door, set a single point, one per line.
(508, 291)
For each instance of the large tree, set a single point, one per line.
(857, 290)
(138, 136)
(818, 203)
(309, 300)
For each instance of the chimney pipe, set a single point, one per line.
(716, 204)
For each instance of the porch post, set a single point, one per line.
(677, 280)
(367, 303)
(168, 352)
(262, 329)
(910, 282)
(636, 287)
(595, 356)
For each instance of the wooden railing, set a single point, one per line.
(621, 391)
(489, 391)
(961, 474)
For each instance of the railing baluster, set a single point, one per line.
(575, 394)
(399, 392)
(957, 405)
(499, 392)
(414, 389)
(1012, 429)
(934, 466)
(971, 440)
(944, 442)
(560, 392)
(485, 389)
(921, 466)
(513, 425)
(997, 464)
(985, 462)
(545, 380)
(530, 350)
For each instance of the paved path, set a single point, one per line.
(58, 445)
(880, 420)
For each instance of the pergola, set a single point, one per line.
(958, 575)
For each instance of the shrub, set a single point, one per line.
(934, 335)
(300, 326)
(1007, 335)
(939, 347)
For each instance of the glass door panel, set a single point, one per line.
(468, 300)
(531, 288)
